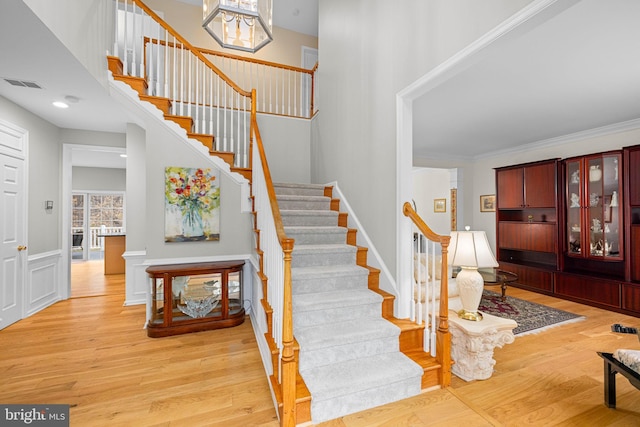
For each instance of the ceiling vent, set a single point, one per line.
(23, 83)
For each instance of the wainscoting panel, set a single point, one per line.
(42, 284)
(136, 280)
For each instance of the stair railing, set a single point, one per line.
(173, 69)
(276, 250)
(281, 89)
(430, 294)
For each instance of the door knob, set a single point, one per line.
(21, 248)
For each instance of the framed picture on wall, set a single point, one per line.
(439, 205)
(488, 203)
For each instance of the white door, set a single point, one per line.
(13, 254)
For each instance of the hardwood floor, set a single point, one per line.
(88, 279)
(93, 353)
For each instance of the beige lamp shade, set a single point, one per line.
(470, 249)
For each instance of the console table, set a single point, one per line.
(195, 297)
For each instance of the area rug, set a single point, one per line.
(531, 317)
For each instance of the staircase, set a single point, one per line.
(350, 356)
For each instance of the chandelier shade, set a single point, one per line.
(239, 24)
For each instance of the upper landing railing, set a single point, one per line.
(281, 89)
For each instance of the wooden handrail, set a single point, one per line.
(257, 61)
(191, 48)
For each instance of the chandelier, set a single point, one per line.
(238, 24)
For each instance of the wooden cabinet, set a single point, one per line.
(527, 213)
(527, 186)
(195, 297)
(594, 201)
(531, 278)
(592, 290)
(586, 247)
(632, 210)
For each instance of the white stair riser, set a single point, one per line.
(338, 314)
(320, 220)
(349, 351)
(362, 400)
(325, 259)
(305, 204)
(322, 284)
(298, 191)
(320, 237)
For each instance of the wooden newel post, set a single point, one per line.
(289, 363)
(443, 342)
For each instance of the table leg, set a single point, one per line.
(503, 285)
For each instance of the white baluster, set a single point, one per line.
(224, 118)
(219, 146)
(190, 82)
(211, 106)
(203, 99)
(158, 60)
(174, 104)
(116, 23)
(181, 80)
(167, 58)
(126, 36)
(196, 96)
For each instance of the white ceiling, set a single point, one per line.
(578, 70)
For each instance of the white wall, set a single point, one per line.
(368, 52)
(287, 147)
(72, 20)
(430, 184)
(98, 179)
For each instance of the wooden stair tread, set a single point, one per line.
(139, 84)
(163, 104)
(246, 172)
(423, 359)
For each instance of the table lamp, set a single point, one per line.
(470, 250)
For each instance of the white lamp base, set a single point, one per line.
(470, 285)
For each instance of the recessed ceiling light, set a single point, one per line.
(60, 104)
(123, 155)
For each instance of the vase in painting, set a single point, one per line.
(192, 223)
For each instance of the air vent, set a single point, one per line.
(23, 83)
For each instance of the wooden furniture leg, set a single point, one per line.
(609, 385)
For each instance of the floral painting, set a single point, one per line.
(192, 204)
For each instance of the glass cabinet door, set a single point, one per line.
(594, 215)
(603, 209)
(612, 207)
(198, 296)
(235, 292)
(574, 208)
(595, 211)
